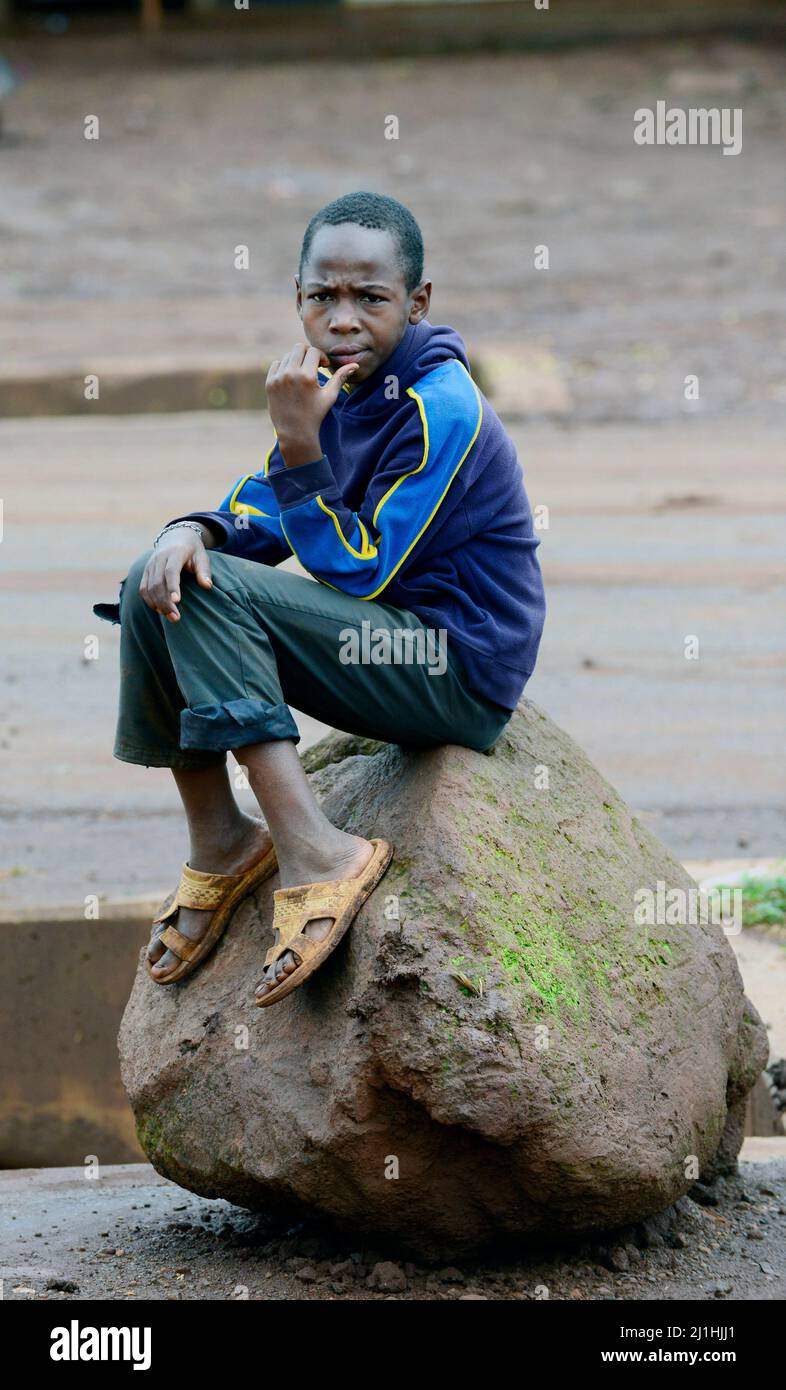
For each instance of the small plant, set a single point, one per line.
(763, 901)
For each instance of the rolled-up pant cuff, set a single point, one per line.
(145, 756)
(235, 724)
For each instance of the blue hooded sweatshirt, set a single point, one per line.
(417, 501)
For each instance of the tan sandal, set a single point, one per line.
(196, 889)
(293, 908)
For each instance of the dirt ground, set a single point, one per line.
(130, 1234)
(663, 261)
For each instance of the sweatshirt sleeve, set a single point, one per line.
(248, 517)
(361, 551)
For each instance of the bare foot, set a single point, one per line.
(232, 858)
(350, 865)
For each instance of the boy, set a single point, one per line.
(394, 483)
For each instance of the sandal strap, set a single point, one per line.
(293, 907)
(199, 890)
(303, 946)
(179, 943)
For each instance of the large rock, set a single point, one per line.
(601, 1067)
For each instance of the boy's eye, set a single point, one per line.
(322, 296)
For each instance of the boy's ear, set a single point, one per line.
(421, 301)
(298, 298)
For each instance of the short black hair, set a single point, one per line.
(384, 214)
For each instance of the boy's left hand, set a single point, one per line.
(298, 404)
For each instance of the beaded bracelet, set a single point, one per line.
(193, 525)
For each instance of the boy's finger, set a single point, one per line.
(172, 579)
(313, 359)
(342, 375)
(149, 589)
(202, 569)
(160, 603)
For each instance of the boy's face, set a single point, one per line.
(352, 298)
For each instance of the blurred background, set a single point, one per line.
(221, 128)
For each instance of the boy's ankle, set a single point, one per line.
(226, 843)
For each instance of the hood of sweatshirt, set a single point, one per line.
(423, 347)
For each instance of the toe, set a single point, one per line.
(156, 948)
(268, 980)
(167, 962)
(276, 972)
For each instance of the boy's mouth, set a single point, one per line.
(347, 354)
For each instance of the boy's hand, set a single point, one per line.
(298, 404)
(179, 549)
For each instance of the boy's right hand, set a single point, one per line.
(179, 549)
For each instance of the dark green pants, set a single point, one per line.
(223, 676)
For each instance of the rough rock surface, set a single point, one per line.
(599, 1068)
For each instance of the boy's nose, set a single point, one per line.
(344, 321)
